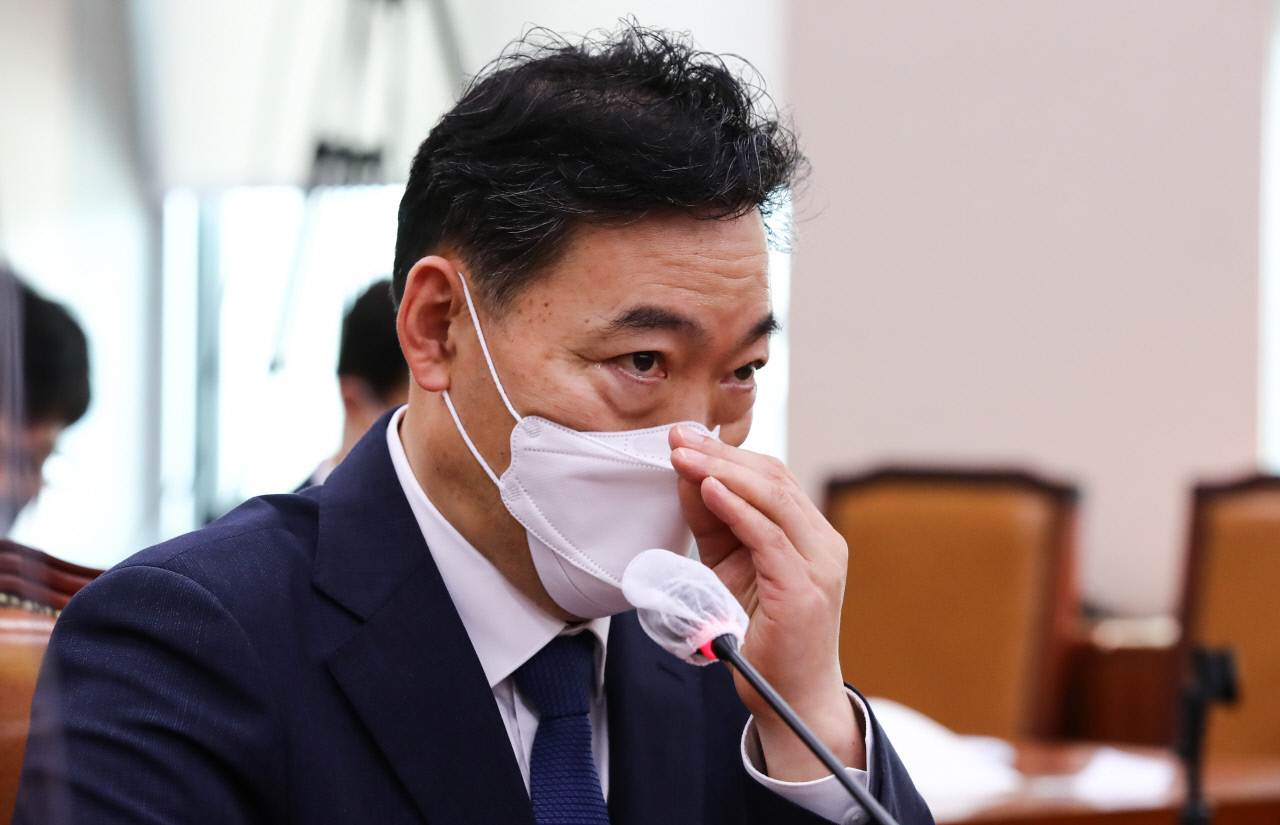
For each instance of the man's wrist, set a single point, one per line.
(825, 797)
(836, 723)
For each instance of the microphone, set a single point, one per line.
(688, 611)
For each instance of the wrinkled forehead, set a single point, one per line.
(648, 250)
(676, 261)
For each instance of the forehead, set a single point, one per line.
(716, 266)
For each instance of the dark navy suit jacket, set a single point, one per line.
(300, 661)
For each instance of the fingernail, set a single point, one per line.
(689, 436)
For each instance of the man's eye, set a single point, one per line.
(644, 361)
(745, 372)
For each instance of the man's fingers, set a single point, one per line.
(775, 496)
(691, 467)
(772, 552)
(763, 464)
(758, 501)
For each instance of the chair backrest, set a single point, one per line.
(960, 594)
(1231, 600)
(29, 576)
(23, 637)
(34, 587)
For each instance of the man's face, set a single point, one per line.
(23, 452)
(662, 320)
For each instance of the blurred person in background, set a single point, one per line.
(44, 388)
(372, 374)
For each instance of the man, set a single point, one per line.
(44, 388)
(581, 263)
(372, 374)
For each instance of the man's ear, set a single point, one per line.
(429, 309)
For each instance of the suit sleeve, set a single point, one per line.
(889, 783)
(151, 707)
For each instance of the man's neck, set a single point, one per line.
(466, 497)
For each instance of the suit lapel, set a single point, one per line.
(656, 731)
(410, 671)
(417, 685)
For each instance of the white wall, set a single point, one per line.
(1031, 237)
(238, 88)
(750, 28)
(35, 143)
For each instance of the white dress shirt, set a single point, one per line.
(506, 629)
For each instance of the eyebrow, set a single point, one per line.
(647, 318)
(650, 318)
(766, 326)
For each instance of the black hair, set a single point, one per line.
(609, 128)
(370, 348)
(55, 358)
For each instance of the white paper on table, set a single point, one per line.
(1113, 777)
(955, 774)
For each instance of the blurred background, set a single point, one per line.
(1038, 236)
(1034, 234)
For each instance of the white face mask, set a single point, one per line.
(590, 502)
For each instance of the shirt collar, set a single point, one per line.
(505, 627)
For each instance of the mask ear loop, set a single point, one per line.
(484, 465)
(484, 347)
(493, 373)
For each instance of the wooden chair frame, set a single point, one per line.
(37, 582)
(1203, 499)
(1202, 496)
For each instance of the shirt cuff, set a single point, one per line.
(824, 797)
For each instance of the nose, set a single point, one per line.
(708, 403)
(693, 404)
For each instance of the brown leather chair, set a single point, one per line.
(34, 587)
(960, 595)
(1231, 600)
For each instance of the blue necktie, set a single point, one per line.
(563, 783)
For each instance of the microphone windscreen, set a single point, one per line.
(682, 605)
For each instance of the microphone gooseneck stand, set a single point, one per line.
(726, 650)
